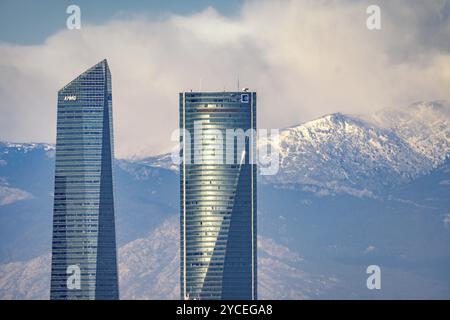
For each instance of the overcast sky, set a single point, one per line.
(304, 58)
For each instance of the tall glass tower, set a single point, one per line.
(84, 264)
(218, 195)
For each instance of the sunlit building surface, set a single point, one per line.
(218, 200)
(84, 264)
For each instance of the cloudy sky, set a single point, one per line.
(304, 58)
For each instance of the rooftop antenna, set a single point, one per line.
(200, 84)
(238, 86)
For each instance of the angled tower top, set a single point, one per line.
(102, 65)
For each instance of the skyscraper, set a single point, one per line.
(218, 195)
(84, 262)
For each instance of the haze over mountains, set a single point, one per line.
(351, 191)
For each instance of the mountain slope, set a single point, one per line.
(149, 269)
(344, 154)
(145, 196)
(362, 156)
(424, 125)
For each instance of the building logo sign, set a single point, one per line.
(70, 98)
(245, 98)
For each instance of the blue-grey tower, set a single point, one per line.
(218, 195)
(84, 262)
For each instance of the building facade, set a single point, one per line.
(218, 195)
(84, 263)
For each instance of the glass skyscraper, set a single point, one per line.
(84, 264)
(218, 199)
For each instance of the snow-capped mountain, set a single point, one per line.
(8, 151)
(362, 155)
(424, 125)
(7, 147)
(351, 191)
(160, 161)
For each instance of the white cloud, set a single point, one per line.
(369, 249)
(304, 58)
(447, 220)
(10, 195)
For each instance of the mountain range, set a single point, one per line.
(352, 190)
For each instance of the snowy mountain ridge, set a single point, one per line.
(424, 125)
(27, 146)
(361, 155)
